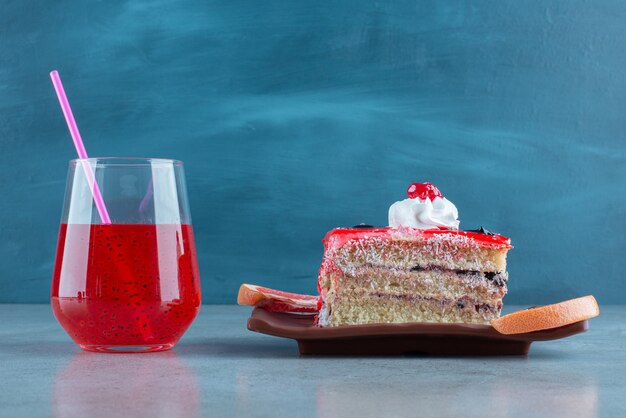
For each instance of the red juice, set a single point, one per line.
(121, 286)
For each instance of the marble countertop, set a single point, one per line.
(221, 369)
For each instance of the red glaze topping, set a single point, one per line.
(339, 236)
(423, 191)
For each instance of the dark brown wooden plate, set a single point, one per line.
(401, 339)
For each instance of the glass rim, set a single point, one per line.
(126, 161)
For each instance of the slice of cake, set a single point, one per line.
(419, 269)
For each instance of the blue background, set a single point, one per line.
(297, 117)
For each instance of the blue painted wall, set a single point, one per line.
(296, 117)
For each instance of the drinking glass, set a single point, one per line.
(131, 285)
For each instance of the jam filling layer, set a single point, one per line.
(500, 279)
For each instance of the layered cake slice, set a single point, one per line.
(419, 269)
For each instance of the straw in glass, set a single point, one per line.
(80, 147)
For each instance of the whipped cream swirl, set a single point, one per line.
(424, 214)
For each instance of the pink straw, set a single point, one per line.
(80, 147)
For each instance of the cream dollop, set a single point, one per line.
(424, 214)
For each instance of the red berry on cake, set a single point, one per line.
(423, 191)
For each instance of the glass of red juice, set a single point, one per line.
(131, 284)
